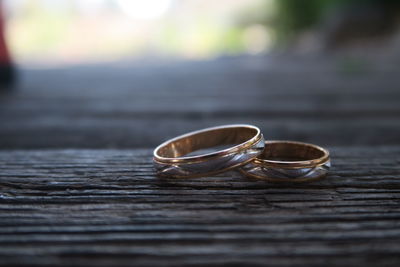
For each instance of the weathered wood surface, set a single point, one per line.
(99, 207)
(62, 204)
(121, 106)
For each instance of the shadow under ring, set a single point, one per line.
(245, 143)
(289, 161)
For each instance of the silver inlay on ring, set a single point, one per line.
(288, 161)
(245, 142)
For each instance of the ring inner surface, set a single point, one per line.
(286, 151)
(207, 139)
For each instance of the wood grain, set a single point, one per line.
(102, 207)
(139, 106)
(77, 186)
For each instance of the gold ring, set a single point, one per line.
(288, 161)
(172, 158)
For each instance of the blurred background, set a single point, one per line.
(131, 73)
(75, 31)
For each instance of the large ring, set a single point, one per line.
(245, 142)
(287, 161)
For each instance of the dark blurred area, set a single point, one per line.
(127, 74)
(337, 23)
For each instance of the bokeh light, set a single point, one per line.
(74, 31)
(149, 9)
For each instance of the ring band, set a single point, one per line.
(288, 161)
(245, 143)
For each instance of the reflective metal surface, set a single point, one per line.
(287, 161)
(245, 142)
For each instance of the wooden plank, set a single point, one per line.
(131, 106)
(147, 131)
(102, 207)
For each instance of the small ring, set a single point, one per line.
(288, 161)
(245, 143)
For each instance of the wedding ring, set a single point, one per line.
(288, 161)
(242, 143)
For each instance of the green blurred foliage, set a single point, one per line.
(294, 16)
(43, 38)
